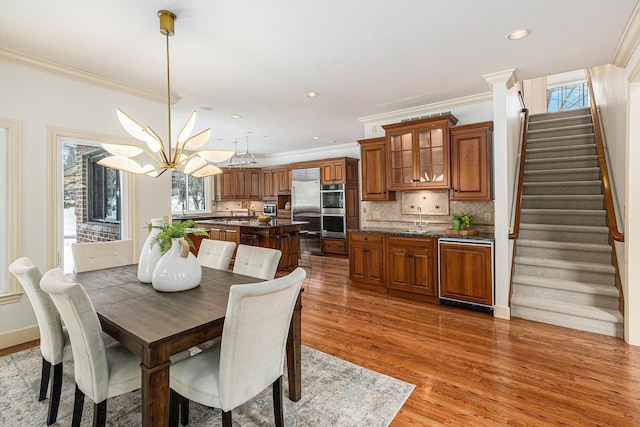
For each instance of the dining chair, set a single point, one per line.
(98, 255)
(216, 253)
(250, 356)
(54, 338)
(256, 261)
(100, 371)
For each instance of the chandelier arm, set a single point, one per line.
(175, 157)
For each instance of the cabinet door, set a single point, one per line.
(268, 184)
(252, 184)
(431, 154)
(470, 162)
(333, 172)
(375, 264)
(227, 185)
(216, 233)
(374, 179)
(241, 184)
(283, 181)
(397, 268)
(400, 170)
(357, 264)
(232, 234)
(465, 273)
(423, 270)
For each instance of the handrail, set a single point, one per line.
(518, 195)
(602, 160)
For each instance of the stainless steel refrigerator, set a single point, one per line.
(305, 206)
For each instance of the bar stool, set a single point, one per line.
(249, 239)
(303, 235)
(281, 242)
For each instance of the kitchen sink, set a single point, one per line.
(415, 231)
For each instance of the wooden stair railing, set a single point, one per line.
(518, 195)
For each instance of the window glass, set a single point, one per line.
(188, 194)
(568, 96)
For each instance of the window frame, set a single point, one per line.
(207, 192)
(92, 168)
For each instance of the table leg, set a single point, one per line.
(155, 388)
(294, 368)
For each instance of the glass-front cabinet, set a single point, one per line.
(418, 153)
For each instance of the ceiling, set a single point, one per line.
(258, 58)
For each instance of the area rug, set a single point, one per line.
(334, 393)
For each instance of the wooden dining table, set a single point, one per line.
(156, 325)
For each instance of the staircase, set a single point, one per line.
(563, 272)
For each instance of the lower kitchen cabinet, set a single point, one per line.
(466, 273)
(226, 233)
(411, 265)
(366, 261)
(334, 246)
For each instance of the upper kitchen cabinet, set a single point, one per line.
(418, 153)
(339, 171)
(233, 184)
(373, 153)
(275, 181)
(471, 161)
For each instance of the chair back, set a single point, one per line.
(91, 370)
(216, 253)
(254, 336)
(97, 255)
(256, 261)
(52, 337)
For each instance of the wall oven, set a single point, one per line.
(332, 199)
(333, 226)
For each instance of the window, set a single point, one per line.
(103, 189)
(189, 194)
(567, 97)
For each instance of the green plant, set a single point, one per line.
(466, 220)
(176, 230)
(456, 217)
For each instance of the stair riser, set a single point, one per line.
(561, 152)
(565, 236)
(584, 276)
(562, 176)
(555, 132)
(600, 327)
(581, 298)
(563, 219)
(545, 164)
(559, 189)
(550, 124)
(598, 257)
(579, 140)
(590, 204)
(559, 114)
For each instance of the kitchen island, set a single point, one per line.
(281, 234)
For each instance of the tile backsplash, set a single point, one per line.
(436, 208)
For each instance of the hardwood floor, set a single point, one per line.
(469, 368)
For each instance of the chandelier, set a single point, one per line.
(241, 160)
(183, 157)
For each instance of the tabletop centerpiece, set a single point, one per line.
(177, 269)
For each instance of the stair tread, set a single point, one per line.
(563, 196)
(562, 159)
(596, 313)
(559, 138)
(561, 227)
(560, 148)
(576, 112)
(565, 211)
(537, 120)
(566, 183)
(591, 247)
(559, 128)
(563, 170)
(566, 285)
(565, 264)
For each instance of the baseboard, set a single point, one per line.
(19, 336)
(502, 312)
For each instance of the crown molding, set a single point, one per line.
(312, 150)
(506, 76)
(65, 71)
(629, 40)
(427, 108)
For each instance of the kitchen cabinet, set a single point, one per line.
(226, 233)
(373, 154)
(418, 153)
(334, 246)
(471, 161)
(284, 180)
(234, 184)
(339, 171)
(411, 265)
(275, 181)
(366, 261)
(466, 272)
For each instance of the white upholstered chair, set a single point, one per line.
(54, 339)
(250, 356)
(97, 255)
(256, 261)
(100, 371)
(215, 253)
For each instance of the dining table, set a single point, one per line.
(156, 325)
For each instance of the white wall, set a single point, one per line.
(40, 100)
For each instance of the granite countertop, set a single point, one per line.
(425, 233)
(210, 215)
(252, 222)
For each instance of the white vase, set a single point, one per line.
(177, 271)
(150, 253)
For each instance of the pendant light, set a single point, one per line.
(183, 156)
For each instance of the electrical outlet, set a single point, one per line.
(376, 214)
(487, 217)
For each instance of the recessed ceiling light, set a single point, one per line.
(317, 137)
(312, 94)
(518, 34)
(236, 116)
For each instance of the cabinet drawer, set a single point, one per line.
(334, 246)
(366, 238)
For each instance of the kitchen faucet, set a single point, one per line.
(420, 218)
